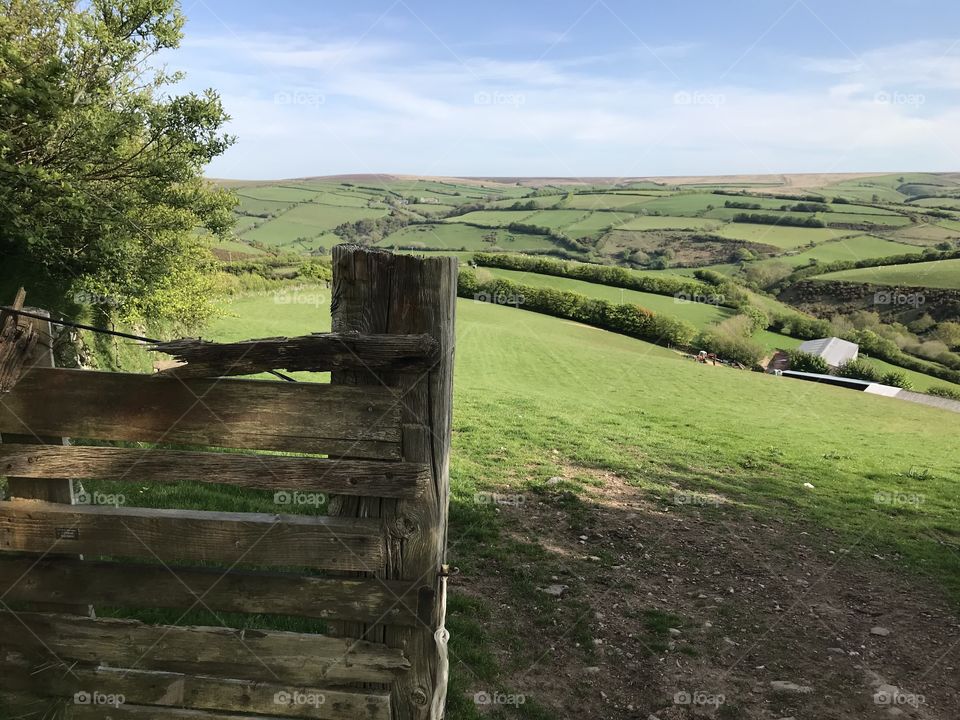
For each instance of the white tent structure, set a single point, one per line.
(832, 349)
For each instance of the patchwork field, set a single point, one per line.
(937, 274)
(781, 236)
(493, 218)
(455, 236)
(664, 222)
(700, 315)
(859, 247)
(672, 226)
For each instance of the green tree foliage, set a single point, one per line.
(730, 344)
(770, 219)
(695, 290)
(101, 168)
(948, 332)
(626, 318)
(896, 378)
(859, 370)
(805, 362)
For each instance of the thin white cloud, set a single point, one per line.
(307, 109)
(921, 64)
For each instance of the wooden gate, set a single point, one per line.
(375, 440)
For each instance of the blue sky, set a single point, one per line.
(587, 88)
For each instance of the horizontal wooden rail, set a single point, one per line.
(133, 585)
(227, 538)
(320, 352)
(166, 689)
(253, 414)
(369, 478)
(284, 658)
(20, 706)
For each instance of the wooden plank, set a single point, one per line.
(53, 488)
(228, 538)
(56, 487)
(165, 689)
(260, 415)
(380, 292)
(269, 472)
(130, 585)
(144, 712)
(318, 352)
(285, 658)
(18, 339)
(19, 706)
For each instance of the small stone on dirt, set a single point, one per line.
(881, 631)
(786, 686)
(556, 480)
(674, 632)
(593, 669)
(554, 590)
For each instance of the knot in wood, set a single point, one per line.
(404, 527)
(419, 697)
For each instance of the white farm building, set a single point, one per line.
(832, 349)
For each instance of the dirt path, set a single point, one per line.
(692, 608)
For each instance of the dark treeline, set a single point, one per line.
(770, 219)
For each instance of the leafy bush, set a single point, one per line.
(601, 274)
(769, 219)
(859, 370)
(730, 347)
(946, 392)
(627, 319)
(896, 379)
(800, 326)
(805, 362)
(758, 318)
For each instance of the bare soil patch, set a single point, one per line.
(689, 606)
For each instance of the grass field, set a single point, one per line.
(699, 315)
(602, 201)
(684, 203)
(859, 247)
(493, 218)
(781, 236)
(454, 236)
(936, 274)
(279, 193)
(948, 203)
(537, 397)
(562, 219)
(864, 218)
(664, 222)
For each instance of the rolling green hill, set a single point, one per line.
(937, 274)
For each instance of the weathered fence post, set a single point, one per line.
(49, 490)
(375, 291)
(58, 491)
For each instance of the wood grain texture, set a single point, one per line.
(133, 585)
(269, 472)
(171, 535)
(18, 339)
(56, 487)
(260, 415)
(318, 352)
(165, 689)
(282, 658)
(378, 292)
